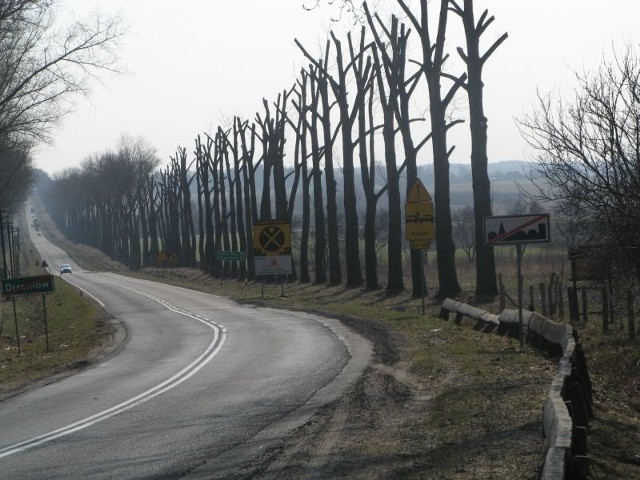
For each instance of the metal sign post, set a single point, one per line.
(517, 230)
(520, 282)
(15, 320)
(423, 262)
(13, 287)
(419, 227)
(46, 323)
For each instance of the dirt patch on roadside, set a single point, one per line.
(381, 430)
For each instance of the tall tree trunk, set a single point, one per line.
(395, 280)
(200, 196)
(368, 173)
(231, 149)
(322, 80)
(352, 240)
(486, 279)
(248, 150)
(320, 237)
(335, 269)
(265, 202)
(239, 209)
(224, 244)
(433, 59)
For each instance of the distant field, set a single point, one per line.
(504, 194)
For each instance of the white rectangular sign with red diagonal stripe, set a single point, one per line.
(516, 229)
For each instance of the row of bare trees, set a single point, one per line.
(342, 104)
(43, 66)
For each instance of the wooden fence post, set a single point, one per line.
(543, 299)
(605, 311)
(585, 306)
(630, 315)
(503, 299)
(551, 289)
(573, 305)
(559, 299)
(532, 305)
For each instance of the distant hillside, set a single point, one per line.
(505, 177)
(461, 172)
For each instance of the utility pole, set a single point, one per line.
(17, 248)
(4, 254)
(10, 242)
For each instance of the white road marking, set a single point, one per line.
(83, 290)
(219, 337)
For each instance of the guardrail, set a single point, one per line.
(568, 406)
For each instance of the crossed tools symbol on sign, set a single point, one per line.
(272, 239)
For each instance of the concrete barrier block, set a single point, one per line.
(490, 318)
(569, 349)
(470, 311)
(508, 316)
(555, 464)
(450, 305)
(557, 423)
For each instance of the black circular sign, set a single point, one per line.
(272, 239)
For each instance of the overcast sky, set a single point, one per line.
(195, 64)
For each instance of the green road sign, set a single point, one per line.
(230, 256)
(27, 285)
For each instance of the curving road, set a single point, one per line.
(198, 387)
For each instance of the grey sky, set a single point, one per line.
(196, 63)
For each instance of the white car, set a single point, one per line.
(65, 268)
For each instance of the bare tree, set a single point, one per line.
(104, 202)
(486, 280)
(393, 52)
(432, 66)
(588, 163)
(388, 96)
(321, 82)
(41, 69)
(16, 167)
(464, 231)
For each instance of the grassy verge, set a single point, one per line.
(77, 328)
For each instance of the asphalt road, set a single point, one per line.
(197, 389)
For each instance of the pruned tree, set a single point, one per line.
(321, 82)
(311, 107)
(393, 53)
(486, 280)
(186, 177)
(373, 193)
(301, 129)
(206, 188)
(387, 98)
(236, 150)
(433, 68)
(249, 189)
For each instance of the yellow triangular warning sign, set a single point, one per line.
(418, 193)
